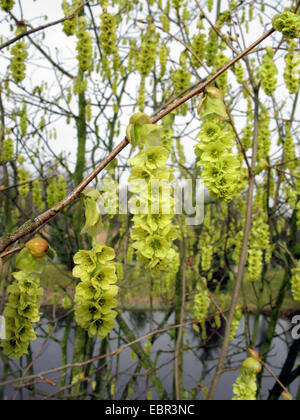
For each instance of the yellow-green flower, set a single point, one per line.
(103, 325)
(103, 253)
(86, 260)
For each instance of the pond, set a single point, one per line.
(198, 363)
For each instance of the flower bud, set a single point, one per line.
(140, 118)
(38, 247)
(1, 267)
(252, 365)
(287, 396)
(212, 103)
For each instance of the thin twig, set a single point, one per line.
(41, 375)
(41, 28)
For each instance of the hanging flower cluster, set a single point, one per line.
(292, 69)
(206, 251)
(298, 214)
(108, 37)
(264, 135)
(268, 72)
(95, 294)
(23, 121)
(221, 168)
(84, 46)
(7, 152)
(56, 190)
(212, 47)
(198, 47)
(18, 57)
(153, 231)
(220, 61)
(239, 72)
(146, 57)
(163, 56)
(181, 79)
(142, 96)
(247, 136)
(210, 5)
(238, 315)
(295, 281)
(259, 242)
(288, 24)
(23, 178)
(245, 387)
(164, 20)
(70, 25)
(37, 194)
(22, 308)
(289, 151)
(201, 306)
(7, 5)
(177, 4)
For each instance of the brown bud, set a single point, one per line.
(287, 396)
(254, 354)
(1, 266)
(38, 247)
